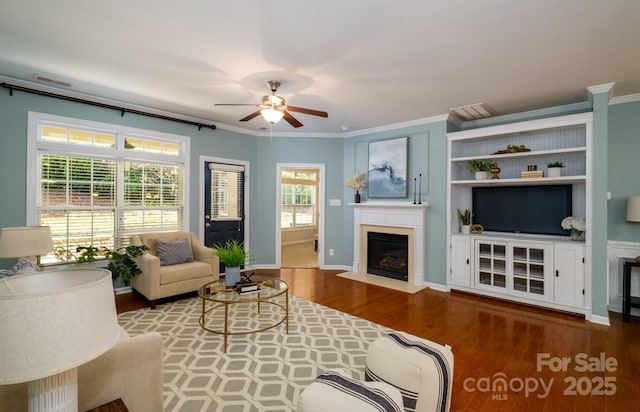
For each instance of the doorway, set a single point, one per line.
(300, 215)
(224, 212)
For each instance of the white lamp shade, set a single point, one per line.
(25, 241)
(633, 209)
(51, 322)
(273, 116)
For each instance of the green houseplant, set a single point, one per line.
(465, 220)
(481, 168)
(121, 261)
(554, 169)
(232, 255)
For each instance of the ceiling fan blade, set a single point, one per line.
(292, 120)
(251, 116)
(308, 111)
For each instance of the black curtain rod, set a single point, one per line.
(122, 110)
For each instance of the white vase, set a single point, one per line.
(482, 175)
(466, 229)
(231, 276)
(554, 171)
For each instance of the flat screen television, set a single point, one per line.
(522, 209)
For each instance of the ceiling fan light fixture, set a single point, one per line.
(272, 116)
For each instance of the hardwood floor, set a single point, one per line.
(494, 343)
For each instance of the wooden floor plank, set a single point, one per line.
(489, 338)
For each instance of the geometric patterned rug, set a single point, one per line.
(264, 371)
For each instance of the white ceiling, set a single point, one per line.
(368, 63)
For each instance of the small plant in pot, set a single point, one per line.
(233, 256)
(554, 169)
(465, 220)
(481, 168)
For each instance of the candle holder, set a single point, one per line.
(494, 171)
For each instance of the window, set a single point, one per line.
(226, 191)
(96, 184)
(298, 202)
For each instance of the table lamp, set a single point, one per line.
(633, 212)
(26, 243)
(50, 323)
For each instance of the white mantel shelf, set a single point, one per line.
(391, 204)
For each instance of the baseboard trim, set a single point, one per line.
(600, 320)
(437, 286)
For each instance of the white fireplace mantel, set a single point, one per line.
(393, 215)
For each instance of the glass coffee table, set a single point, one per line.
(216, 295)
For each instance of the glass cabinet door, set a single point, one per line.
(491, 265)
(530, 267)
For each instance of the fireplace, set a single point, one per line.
(390, 218)
(388, 255)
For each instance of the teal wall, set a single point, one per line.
(262, 153)
(427, 149)
(270, 152)
(624, 169)
(616, 130)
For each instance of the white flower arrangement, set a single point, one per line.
(576, 225)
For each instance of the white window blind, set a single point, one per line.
(226, 191)
(97, 187)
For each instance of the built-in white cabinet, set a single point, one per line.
(548, 273)
(569, 274)
(513, 268)
(546, 270)
(460, 270)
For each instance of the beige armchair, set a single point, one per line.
(159, 280)
(131, 370)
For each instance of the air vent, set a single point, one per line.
(53, 82)
(472, 111)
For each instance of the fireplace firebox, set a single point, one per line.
(388, 255)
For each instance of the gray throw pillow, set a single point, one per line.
(173, 253)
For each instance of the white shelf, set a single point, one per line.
(538, 153)
(520, 181)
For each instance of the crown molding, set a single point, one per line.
(601, 88)
(630, 98)
(395, 126)
(517, 117)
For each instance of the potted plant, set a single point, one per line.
(121, 261)
(232, 255)
(357, 183)
(481, 168)
(465, 220)
(122, 264)
(554, 169)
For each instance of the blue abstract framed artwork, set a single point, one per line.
(388, 168)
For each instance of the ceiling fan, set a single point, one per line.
(273, 108)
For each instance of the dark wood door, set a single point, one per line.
(224, 203)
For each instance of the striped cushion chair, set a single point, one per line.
(422, 370)
(337, 391)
